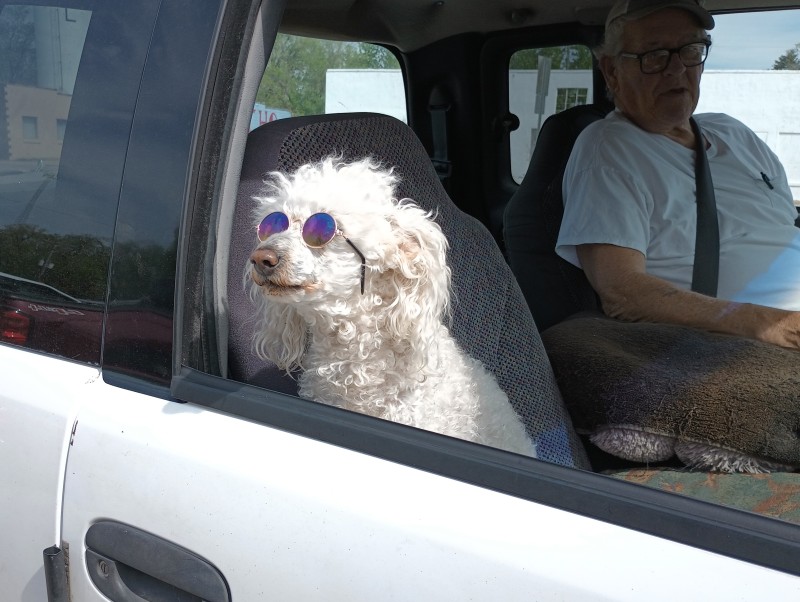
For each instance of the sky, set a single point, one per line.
(752, 40)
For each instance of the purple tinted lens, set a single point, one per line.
(272, 224)
(319, 229)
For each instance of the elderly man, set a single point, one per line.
(629, 189)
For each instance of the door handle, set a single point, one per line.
(130, 565)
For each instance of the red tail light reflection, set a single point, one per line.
(14, 326)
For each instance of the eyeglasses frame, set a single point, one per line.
(326, 243)
(671, 51)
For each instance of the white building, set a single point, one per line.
(767, 101)
(373, 90)
(263, 114)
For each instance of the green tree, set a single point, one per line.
(295, 76)
(790, 60)
(141, 271)
(562, 57)
(74, 264)
(368, 56)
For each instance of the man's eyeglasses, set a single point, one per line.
(656, 61)
(318, 231)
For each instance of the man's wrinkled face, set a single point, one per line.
(658, 102)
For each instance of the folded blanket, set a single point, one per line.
(730, 392)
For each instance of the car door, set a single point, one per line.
(259, 513)
(171, 491)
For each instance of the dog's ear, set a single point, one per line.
(418, 273)
(280, 334)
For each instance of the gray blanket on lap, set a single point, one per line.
(710, 388)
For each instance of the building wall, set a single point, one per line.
(263, 114)
(374, 90)
(59, 35)
(47, 107)
(522, 92)
(4, 151)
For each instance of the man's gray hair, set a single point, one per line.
(611, 45)
(612, 40)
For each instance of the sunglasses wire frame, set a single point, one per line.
(278, 221)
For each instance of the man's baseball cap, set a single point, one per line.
(635, 9)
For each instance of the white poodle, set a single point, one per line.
(352, 287)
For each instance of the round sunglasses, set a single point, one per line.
(318, 231)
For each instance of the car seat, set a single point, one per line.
(491, 320)
(553, 287)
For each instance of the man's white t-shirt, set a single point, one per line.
(627, 187)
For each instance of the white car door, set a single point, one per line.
(264, 514)
(161, 496)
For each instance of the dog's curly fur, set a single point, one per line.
(386, 353)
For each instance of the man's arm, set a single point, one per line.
(628, 293)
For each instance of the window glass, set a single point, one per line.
(30, 128)
(753, 74)
(543, 81)
(566, 98)
(39, 289)
(64, 126)
(336, 77)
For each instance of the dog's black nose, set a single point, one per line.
(264, 260)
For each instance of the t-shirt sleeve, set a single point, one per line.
(603, 202)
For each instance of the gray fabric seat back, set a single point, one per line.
(491, 320)
(553, 287)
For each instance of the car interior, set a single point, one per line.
(453, 155)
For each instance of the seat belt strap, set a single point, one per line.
(438, 108)
(705, 275)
